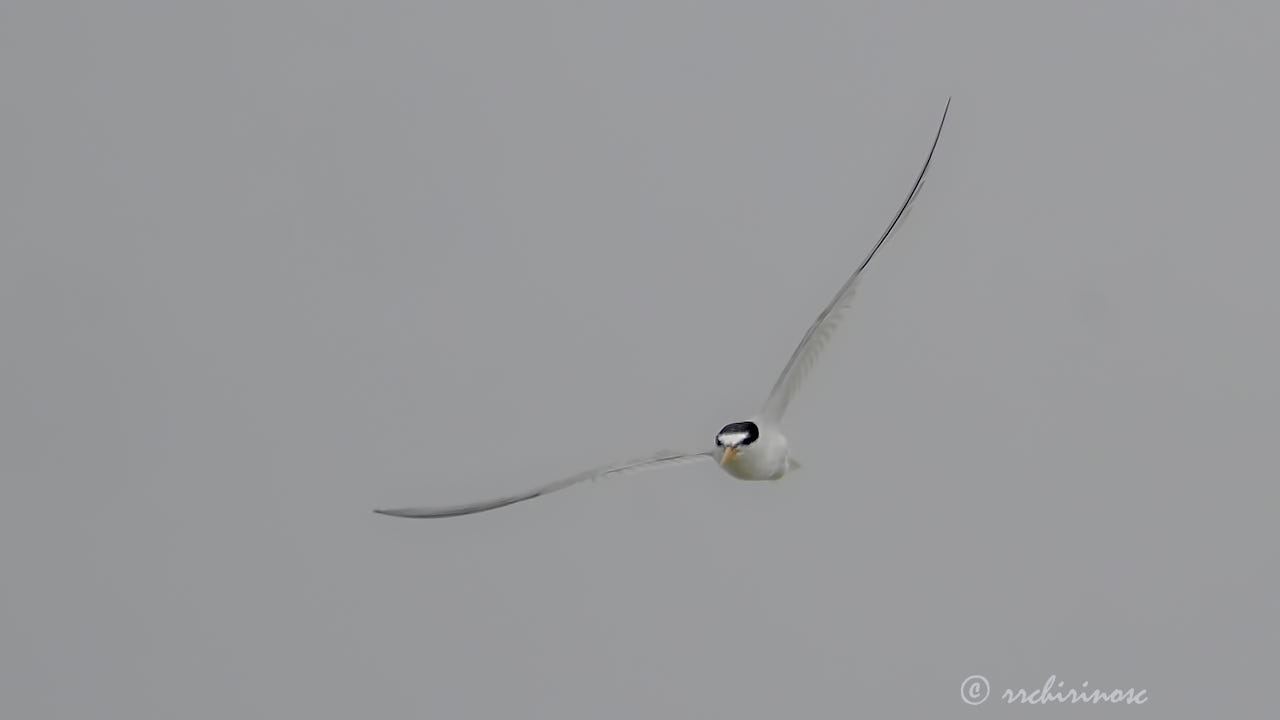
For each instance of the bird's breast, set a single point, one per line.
(765, 459)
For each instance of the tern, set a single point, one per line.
(753, 449)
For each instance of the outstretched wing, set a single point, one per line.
(818, 334)
(663, 458)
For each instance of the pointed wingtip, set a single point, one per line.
(401, 512)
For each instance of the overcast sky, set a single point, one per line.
(266, 266)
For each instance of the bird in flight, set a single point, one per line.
(753, 449)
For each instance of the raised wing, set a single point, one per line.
(663, 458)
(820, 331)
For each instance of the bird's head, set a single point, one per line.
(734, 437)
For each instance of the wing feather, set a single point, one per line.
(664, 458)
(815, 339)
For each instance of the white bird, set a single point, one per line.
(753, 449)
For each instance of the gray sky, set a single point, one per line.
(267, 266)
